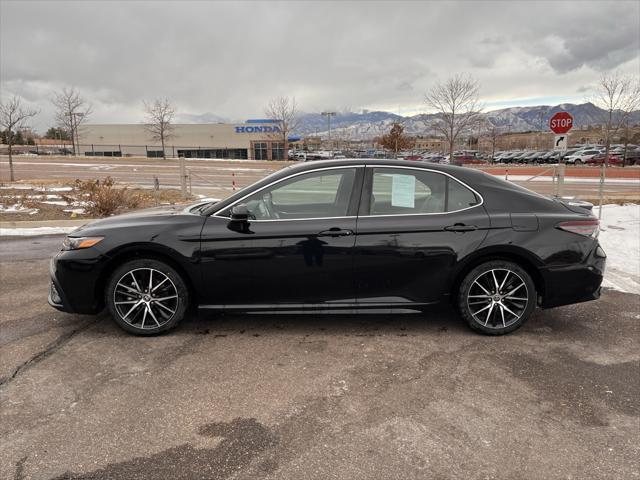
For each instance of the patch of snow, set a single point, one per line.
(27, 186)
(620, 239)
(16, 187)
(17, 208)
(78, 211)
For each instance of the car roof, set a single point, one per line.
(346, 162)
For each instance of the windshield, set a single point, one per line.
(208, 209)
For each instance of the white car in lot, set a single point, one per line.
(581, 156)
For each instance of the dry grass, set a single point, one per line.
(97, 199)
(101, 197)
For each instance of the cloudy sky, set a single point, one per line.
(229, 58)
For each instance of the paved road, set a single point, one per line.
(217, 178)
(313, 397)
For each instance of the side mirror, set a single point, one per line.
(240, 213)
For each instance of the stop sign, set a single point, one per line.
(561, 122)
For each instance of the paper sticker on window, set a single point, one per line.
(403, 191)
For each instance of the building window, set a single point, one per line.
(154, 153)
(260, 151)
(103, 154)
(277, 151)
(239, 154)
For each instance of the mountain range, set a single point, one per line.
(369, 124)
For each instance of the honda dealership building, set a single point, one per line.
(255, 140)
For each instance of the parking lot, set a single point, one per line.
(375, 396)
(219, 179)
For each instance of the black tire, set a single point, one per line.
(578, 162)
(154, 305)
(480, 282)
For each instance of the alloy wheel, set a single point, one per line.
(497, 298)
(145, 298)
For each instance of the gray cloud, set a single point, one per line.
(229, 58)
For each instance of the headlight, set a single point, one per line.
(76, 243)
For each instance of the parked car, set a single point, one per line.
(599, 159)
(509, 156)
(467, 159)
(497, 156)
(633, 156)
(581, 156)
(517, 158)
(542, 156)
(435, 159)
(552, 157)
(529, 157)
(338, 235)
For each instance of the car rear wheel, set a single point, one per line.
(146, 296)
(578, 162)
(497, 297)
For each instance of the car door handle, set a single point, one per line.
(335, 232)
(460, 227)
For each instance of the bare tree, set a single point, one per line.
(618, 96)
(159, 116)
(71, 112)
(283, 110)
(456, 103)
(12, 118)
(493, 132)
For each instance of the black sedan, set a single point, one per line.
(331, 236)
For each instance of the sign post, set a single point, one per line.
(560, 123)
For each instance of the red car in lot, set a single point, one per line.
(468, 159)
(600, 158)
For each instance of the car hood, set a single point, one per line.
(148, 215)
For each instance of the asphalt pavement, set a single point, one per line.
(313, 397)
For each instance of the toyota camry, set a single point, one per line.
(339, 236)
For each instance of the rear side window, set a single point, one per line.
(459, 197)
(398, 191)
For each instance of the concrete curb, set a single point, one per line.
(45, 223)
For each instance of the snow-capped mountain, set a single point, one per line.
(369, 124)
(366, 125)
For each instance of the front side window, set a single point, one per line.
(311, 195)
(397, 191)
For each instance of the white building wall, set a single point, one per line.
(134, 139)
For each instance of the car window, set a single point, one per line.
(406, 191)
(312, 195)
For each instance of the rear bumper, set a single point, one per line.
(575, 283)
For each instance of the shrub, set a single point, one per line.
(102, 198)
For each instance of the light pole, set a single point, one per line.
(329, 115)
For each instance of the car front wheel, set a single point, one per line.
(146, 296)
(497, 297)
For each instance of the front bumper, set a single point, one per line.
(575, 283)
(75, 281)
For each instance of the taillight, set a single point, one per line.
(588, 228)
